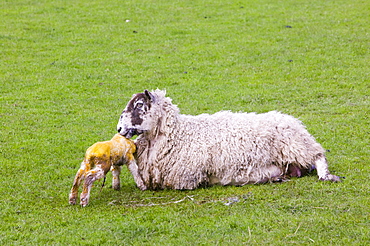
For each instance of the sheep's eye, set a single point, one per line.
(139, 105)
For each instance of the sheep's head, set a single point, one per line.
(136, 118)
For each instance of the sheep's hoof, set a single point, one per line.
(142, 187)
(279, 180)
(331, 177)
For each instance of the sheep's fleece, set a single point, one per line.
(176, 151)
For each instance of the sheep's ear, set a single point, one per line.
(149, 95)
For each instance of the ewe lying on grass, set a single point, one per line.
(99, 159)
(177, 151)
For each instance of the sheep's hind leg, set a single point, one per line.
(323, 171)
(275, 174)
(91, 177)
(76, 184)
(267, 174)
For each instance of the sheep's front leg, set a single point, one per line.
(323, 171)
(90, 177)
(132, 166)
(76, 184)
(116, 182)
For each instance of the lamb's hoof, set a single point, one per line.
(116, 187)
(72, 201)
(84, 202)
(331, 177)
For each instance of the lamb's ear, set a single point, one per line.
(149, 95)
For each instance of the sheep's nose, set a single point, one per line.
(119, 129)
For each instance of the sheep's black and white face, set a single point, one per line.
(136, 118)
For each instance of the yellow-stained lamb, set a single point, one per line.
(99, 159)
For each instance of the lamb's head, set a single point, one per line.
(137, 117)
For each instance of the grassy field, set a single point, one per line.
(68, 69)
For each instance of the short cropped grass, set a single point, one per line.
(68, 69)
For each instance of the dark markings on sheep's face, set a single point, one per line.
(137, 107)
(133, 116)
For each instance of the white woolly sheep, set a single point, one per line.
(176, 151)
(99, 159)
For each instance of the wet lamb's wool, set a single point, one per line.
(99, 159)
(184, 152)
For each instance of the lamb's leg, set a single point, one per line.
(132, 166)
(76, 184)
(116, 171)
(323, 171)
(90, 177)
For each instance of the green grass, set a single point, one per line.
(68, 69)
